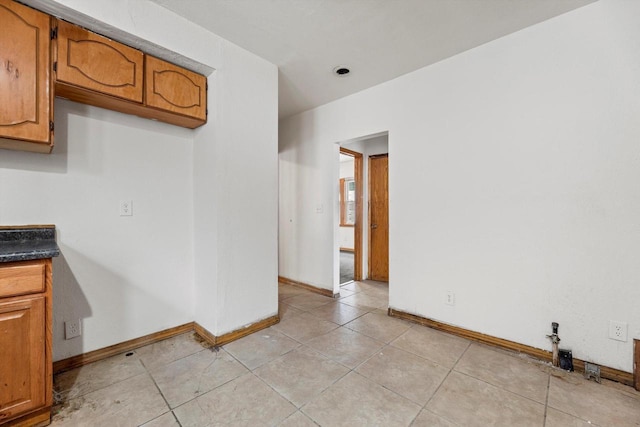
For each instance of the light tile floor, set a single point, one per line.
(335, 363)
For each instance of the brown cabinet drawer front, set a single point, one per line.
(91, 61)
(21, 278)
(22, 361)
(25, 109)
(172, 88)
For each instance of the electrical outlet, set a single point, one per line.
(126, 207)
(450, 298)
(72, 329)
(618, 330)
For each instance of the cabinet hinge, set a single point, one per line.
(55, 66)
(54, 33)
(51, 126)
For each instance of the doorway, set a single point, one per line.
(379, 218)
(361, 150)
(350, 200)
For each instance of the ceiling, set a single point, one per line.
(377, 40)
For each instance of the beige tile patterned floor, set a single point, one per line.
(335, 363)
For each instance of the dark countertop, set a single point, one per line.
(27, 243)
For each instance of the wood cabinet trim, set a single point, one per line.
(21, 278)
(98, 64)
(71, 43)
(36, 309)
(172, 88)
(84, 96)
(185, 77)
(9, 67)
(28, 116)
(32, 310)
(187, 109)
(25, 56)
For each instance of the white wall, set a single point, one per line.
(123, 276)
(236, 174)
(202, 242)
(346, 166)
(513, 183)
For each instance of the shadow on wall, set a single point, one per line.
(66, 111)
(56, 162)
(77, 280)
(112, 308)
(69, 304)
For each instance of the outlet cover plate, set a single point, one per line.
(72, 329)
(126, 207)
(450, 298)
(618, 330)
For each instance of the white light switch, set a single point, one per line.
(126, 208)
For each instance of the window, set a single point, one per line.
(347, 202)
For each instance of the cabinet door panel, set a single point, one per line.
(25, 110)
(22, 358)
(172, 88)
(94, 62)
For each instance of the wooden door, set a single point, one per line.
(88, 60)
(22, 355)
(173, 88)
(25, 80)
(379, 218)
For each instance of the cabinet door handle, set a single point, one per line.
(374, 225)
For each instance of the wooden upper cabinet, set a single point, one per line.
(83, 67)
(95, 70)
(172, 88)
(88, 60)
(26, 109)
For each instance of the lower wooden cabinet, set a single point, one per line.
(22, 360)
(25, 343)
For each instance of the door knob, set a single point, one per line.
(374, 225)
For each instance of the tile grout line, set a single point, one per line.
(369, 310)
(382, 385)
(446, 377)
(161, 394)
(377, 339)
(546, 401)
(414, 353)
(353, 370)
(299, 409)
(97, 389)
(278, 393)
(501, 388)
(211, 349)
(300, 342)
(213, 389)
(349, 370)
(388, 344)
(472, 376)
